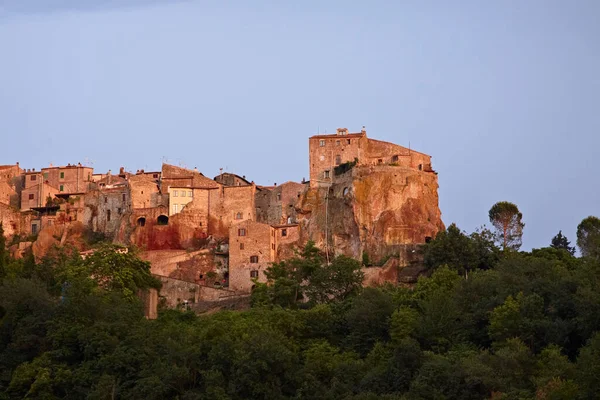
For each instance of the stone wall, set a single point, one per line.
(144, 192)
(175, 292)
(107, 210)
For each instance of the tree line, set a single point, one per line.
(489, 322)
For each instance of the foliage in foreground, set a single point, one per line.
(520, 326)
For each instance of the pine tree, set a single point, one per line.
(561, 242)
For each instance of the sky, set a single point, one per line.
(504, 95)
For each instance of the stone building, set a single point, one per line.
(229, 179)
(251, 252)
(11, 184)
(326, 152)
(278, 204)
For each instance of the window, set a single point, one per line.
(33, 229)
(190, 193)
(254, 274)
(278, 196)
(338, 159)
(272, 246)
(162, 220)
(241, 232)
(141, 221)
(45, 175)
(337, 142)
(394, 159)
(380, 161)
(326, 174)
(155, 176)
(119, 210)
(124, 196)
(33, 177)
(238, 215)
(105, 199)
(253, 259)
(61, 188)
(284, 231)
(62, 175)
(420, 167)
(175, 193)
(175, 208)
(241, 246)
(322, 143)
(183, 193)
(348, 141)
(108, 215)
(31, 196)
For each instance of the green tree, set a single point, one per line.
(461, 252)
(507, 219)
(588, 237)
(561, 242)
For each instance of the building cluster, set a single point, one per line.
(247, 225)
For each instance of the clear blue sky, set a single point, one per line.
(505, 95)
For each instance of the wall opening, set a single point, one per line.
(141, 221)
(162, 220)
(427, 239)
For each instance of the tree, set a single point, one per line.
(588, 237)
(506, 218)
(461, 252)
(307, 276)
(561, 242)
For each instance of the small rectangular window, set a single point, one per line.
(31, 196)
(348, 141)
(108, 215)
(175, 193)
(33, 177)
(61, 188)
(183, 193)
(119, 211)
(62, 175)
(284, 232)
(254, 274)
(321, 143)
(326, 174)
(241, 232)
(253, 259)
(190, 193)
(105, 199)
(337, 142)
(241, 246)
(124, 196)
(45, 175)
(174, 208)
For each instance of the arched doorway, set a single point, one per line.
(141, 221)
(162, 220)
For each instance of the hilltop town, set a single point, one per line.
(214, 237)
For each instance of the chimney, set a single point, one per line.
(363, 130)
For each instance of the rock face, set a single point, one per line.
(372, 209)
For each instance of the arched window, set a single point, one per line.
(141, 221)
(238, 215)
(162, 220)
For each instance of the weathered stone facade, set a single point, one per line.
(364, 196)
